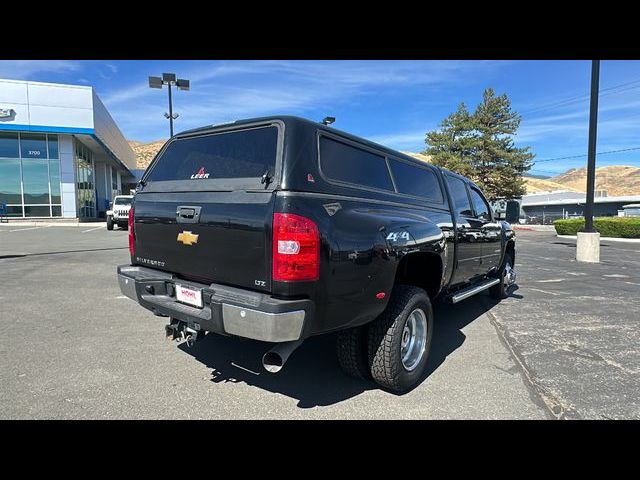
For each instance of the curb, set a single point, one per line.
(534, 228)
(606, 239)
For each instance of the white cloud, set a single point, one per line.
(402, 141)
(25, 69)
(239, 89)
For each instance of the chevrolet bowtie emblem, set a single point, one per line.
(188, 238)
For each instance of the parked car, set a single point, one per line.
(280, 228)
(631, 210)
(119, 213)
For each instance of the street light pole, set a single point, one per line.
(170, 112)
(169, 79)
(588, 243)
(591, 161)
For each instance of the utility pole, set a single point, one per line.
(588, 243)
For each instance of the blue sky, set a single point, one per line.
(391, 102)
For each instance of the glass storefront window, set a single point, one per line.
(37, 211)
(84, 181)
(33, 145)
(9, 145)
(53, 146)
(35, 181)
(30, 174)
(10, 191)
(14, 211)
(54, 180)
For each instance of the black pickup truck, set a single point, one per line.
(280, 228)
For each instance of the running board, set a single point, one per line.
(472, 290)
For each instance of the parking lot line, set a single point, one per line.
(23, 229)
(92, 229)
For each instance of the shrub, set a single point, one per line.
(569, 227)
(621, 227)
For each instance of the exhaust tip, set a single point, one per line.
(272, 362)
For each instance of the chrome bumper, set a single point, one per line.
(269, 327)
(260, 318)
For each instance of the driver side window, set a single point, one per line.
(480, 205)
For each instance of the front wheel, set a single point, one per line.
(109, 223)
(500, 291)
(400, 338)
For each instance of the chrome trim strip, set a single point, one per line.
(472, 291)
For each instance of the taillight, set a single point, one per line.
(296, 248)
(132, 234)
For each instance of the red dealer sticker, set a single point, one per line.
(200, 174)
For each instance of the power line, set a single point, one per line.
(533, 170)
(577, 99)
(582, 156)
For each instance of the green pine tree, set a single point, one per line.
(480, 146)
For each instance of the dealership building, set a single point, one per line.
(61, 153)
(544, 208)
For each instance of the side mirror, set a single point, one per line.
(513, 211)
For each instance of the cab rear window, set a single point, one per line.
(229, 155)
(416, 181)
(345, 163)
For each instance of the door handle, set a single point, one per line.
(188, 214)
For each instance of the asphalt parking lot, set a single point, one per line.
(563, 346)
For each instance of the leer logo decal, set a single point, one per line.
(188, 238)
(200, 174)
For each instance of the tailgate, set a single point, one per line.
(227, 240)
(205, 208)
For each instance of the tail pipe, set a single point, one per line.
(274, 359)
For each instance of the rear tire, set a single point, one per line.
(500, 291)
(400, 338)
(351, 349)
(109, 223)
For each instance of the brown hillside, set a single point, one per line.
(616, 180)
(146, 151)
(538, 185)
(419, 156)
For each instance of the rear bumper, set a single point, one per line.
(226, 310)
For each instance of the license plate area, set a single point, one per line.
(189, 295)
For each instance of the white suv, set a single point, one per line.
(119, 213)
